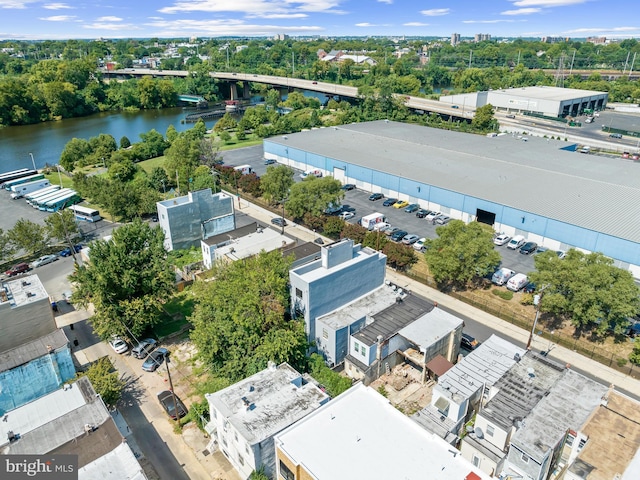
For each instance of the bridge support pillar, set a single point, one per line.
(233, 91)
(246, 91)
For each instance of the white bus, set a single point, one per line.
(86, 214)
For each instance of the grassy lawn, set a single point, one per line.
(55, 180)
(175, 313)
(149, 165)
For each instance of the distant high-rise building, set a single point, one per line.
(597, 40)
(555, 39)
(455, 39)
(281, 36)
(481, 37)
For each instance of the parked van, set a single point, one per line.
(517, 282)
(314, 172)
(516, 242)
(502, 276)
(244, 169)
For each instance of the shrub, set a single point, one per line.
(334, 383)
(504, 294)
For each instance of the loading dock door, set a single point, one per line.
(483, 216)
(338, 174)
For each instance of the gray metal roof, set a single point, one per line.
(549, 93)
(536, 176)
(35, 349)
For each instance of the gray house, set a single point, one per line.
(193, 217)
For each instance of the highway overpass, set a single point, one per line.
(415, 103)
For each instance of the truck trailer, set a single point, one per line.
(19, 191)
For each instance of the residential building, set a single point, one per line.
(241, 243)
(411, 330)
(198, 215)
(34, 369)
(558, 418)
(597, 40)
(481, 37)
(246, 415)
(360, 434)
(455, 39)
(511, 399)
(608, 446)
(72, 420)
(460, 391)
(343, 273)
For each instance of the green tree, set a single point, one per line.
(461, 253)
(399, 256)
(634, 357)
(227, 122)
(355, 232)
(127, 280)
(74, 152)
(106, 381)
(587, 289)
(6, 248)
(159, 180)
(333, 227)
(182, 158)
(62, 226)
(241, 319)
(153, 144)
(28, 236)
(333, 381)
(483, 119)
(209, 153)
(277, 182)
(313, 195)
(125, 142)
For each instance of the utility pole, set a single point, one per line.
(34, 162)
(632, 62)
(293, 63)
(470, 55)
(175, 402)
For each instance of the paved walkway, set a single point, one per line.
(605, 374)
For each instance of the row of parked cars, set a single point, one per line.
(519, 243)
(153, 358)
(436, 218)
(23, 267)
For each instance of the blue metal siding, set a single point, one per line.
(573, 235)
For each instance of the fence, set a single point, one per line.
(570, 342)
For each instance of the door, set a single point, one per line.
(338, 174)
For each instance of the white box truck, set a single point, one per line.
(244, 169)
(19, 191)
(369, 221)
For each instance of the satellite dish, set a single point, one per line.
(479, 433)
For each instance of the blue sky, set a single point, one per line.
(34, 19)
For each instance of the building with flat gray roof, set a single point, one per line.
(246, 415)
(360, 434)
(537, 188)
(542, 100)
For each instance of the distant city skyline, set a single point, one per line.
(39, 20)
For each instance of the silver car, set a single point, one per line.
(410, 239)
(45, 259)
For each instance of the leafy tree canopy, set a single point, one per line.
(62, 226)
(127, 279)
(586, 288)
(461, 252)
(106, 381)
(277, 182)
(313, 195)
(241, 319)
(28, 236)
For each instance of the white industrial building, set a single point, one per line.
(547, 101)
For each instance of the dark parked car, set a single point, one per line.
(17, 269)
(269, 161)
(528, 248)
(468, 342)
(615, 135)
(67, 251)
(279, 221)
(422, 213)
(414, 207)
(166, 399)
(389, 201)
(399, 235)
(375, 196)
(348, 186)
(529, 288)
(154, 360)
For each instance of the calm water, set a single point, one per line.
(47, 140)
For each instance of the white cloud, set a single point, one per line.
(415, 24)
(365, 24)
(603, 30)
(224, 27)
(436, 12)
(280, 15)
(521, 11)
(16, 4)
(111, 26)
(109, 19)
(547, 3)
(58, 18)
(487, 21)
(57, 6)
(254, 7)
(389, 2)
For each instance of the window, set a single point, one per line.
(582, 443)
(235, 434)
(215, 413)
(570, 439)
(525, 458)
(224, 441)
(363, 350)
(240, 460)
(356, 347)
(298, 293)
(325, 333)
(490, 430)
(476, 461)
(246, 448)
(285, 472)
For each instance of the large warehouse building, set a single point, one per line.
(548, 101)
(537, 188)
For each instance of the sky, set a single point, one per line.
(88, 19)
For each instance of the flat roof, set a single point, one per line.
(365, 306)
(25, 290)
(118, 464)
(35, 349)
(614, 438)
(392, 319)
(567, 406)
(253, 243)
(315, 270)
(520, 390)
(226, 237)
(361, 428)
(431, 327)
(578, 189)
(549, 93)
(269, 401)
(483, 366)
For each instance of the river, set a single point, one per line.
(47, 140)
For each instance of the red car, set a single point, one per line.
(18, 269)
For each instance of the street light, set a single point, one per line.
(537, 301)
(33, 161)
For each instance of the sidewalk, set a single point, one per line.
(606, 375)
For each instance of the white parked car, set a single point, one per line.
(501, 239)
(347, 215)
(419, 245)
(118, 345)
(432, 216)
